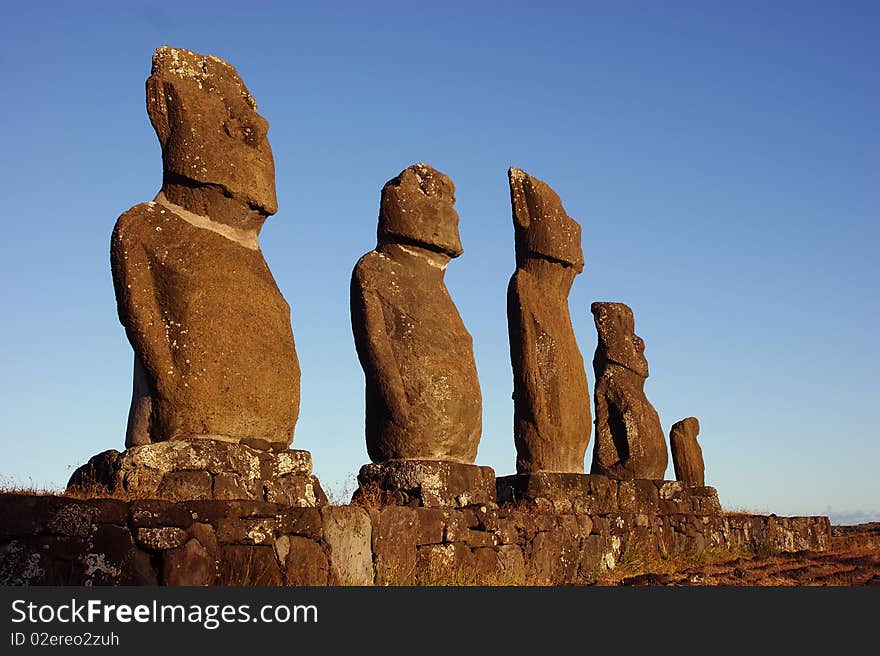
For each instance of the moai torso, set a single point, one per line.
(422, 392)
(214, 350)
(629, 438)
(552, 421)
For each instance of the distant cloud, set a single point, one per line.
(848, 518)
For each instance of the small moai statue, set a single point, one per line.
(214, 356)
(629, 438)
(423, 400)
(687, 456)
(552, 421)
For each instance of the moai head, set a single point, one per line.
(689, 425)
(417, 209)
(618, 342)
(542, 226)
(209, 128)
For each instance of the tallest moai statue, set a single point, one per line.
(214, 352)
(216, 377)
(552, 419)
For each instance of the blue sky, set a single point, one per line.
(722, 159)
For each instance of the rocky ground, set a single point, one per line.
(854, 559)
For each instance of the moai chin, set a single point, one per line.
(211, 333)
(687, 456)
(423, 400)
(629, 438)
(552, 421)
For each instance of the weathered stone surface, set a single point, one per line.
(206, 536)
(513, 565)
(428, 483)
(167, 537)
(214, 351)
(246, 565)
(552, 421)
(306, 562)
(26, 515)
(153, 513)
(182, 470)
(180, 486)
(559, 493)
(432, 525)
(97, 475)
(211, 511)
(395, 537)
(687, 456)
(346, 545)
(236, 530)
(305, 522)
(300, 491)
(445, 564)
(111, 558)
(228, 486)
(348, 533)
(629, 437)
(191, 564)
(551, 557)
(423, 397)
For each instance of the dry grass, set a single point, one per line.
(92, 491)
(745, 512)
(246, 572)
(371, 497)
(643, 557)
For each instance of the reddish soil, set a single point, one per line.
(854, 559)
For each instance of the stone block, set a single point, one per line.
(204, 469)
(189, 565)
(246, 530)
(348, 533)
(432, 525)
(428, 483)
(395, 540)
(152, 513)
(248, 566)
(558, 492)
(305, 522)
(306, 562)
(228, 486)
(474, 539)
(157, 539)
(183, 485)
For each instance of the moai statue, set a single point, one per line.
(687, 456)
(214, 352)
(552, 421)
(629, 439)
(423, 400)
(214, 356)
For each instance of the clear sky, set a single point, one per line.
(722, 159)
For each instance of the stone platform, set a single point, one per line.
(595, 494)
(46, 540)
(425, 483)
(180, 470)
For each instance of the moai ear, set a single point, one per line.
(518, 200)
(157, 109)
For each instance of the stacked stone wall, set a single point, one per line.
(47, 540)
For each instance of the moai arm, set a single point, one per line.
(604, 452)
(524, 338)
(136, 302)
(374, 350)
